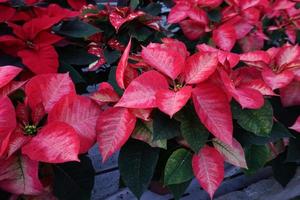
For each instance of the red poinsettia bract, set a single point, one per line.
(33, 43)
(19, 175)
(208, 167)
(237, 21)
(296, 125)
(280, 68)
(63, 134)
(285, 66)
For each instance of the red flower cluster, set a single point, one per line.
(32, 39)
(52, 125)
(210, 79)
(235, 21)
(117, 17)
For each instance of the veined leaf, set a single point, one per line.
(19, 175)
(233, 154)
(137, 162)
(114, 127)
(144, 131)
(179, 167)
(213, 109)
(171, 102)
(164, 127)
(140, 93)
(179, 189)
(74, 180)
(192, 129)
(76, 29)
(259, 122)
(208, 167)
(256, 157)
(81, 113)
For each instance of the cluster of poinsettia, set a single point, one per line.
(235, 21)
(43, 120)
(168, 77)
(48, 123)
(117, 17)
(32, 39)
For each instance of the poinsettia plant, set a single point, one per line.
(181, 88)
(50, 51)
(220, 91)
(43, 125)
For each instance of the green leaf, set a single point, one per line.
(179, 189)
(73, 55)
(153, 9)
(192, 129)
(179, 167)
(293, 153)
(278, 132)
(258, 121)
(75, 29)
(214, 15)
(256, 157)
(74, 180)
(75, 75)
(111, 56)
(134, 4)
(283, 172)
(137, 162)
(112, 80)
(144, 131)
(164, 127)
(141, 33)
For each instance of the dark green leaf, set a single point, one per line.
(278, 132)
(75, 29)
(6, 59)
(137, 162)
(258, 121)
(256, 157)
(74, 180)
(293, 154)
(122, 2)
(75, 75)
(179, 189)
(108, 29)
(113, 82)
(192, 129)
(153, 9)
(277, 38)
(141, 33)
(73, 55)
(164, 127)
(214, 15)
(283, 172)
(134, 4)
(144, 131)
(111, 56)
(179, 167)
